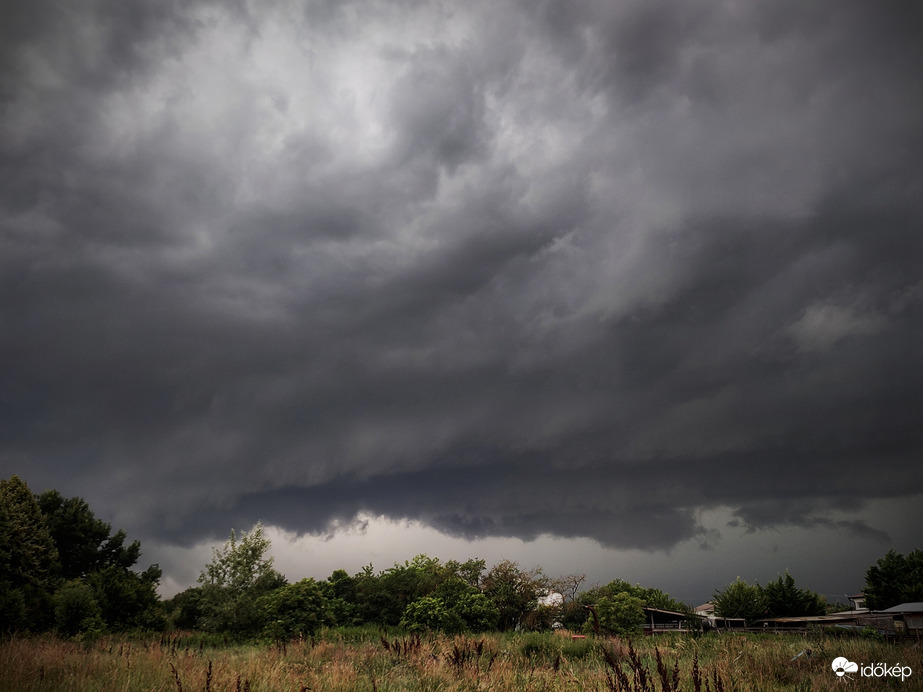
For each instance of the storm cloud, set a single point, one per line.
(583, 269)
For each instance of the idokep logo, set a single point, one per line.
(841, 666)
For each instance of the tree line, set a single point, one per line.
(62, 569)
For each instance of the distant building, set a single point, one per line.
(846, 619)
(705, 610)
(907, 618)
(716, 622)
(658, 620)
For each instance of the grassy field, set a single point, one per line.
(370, 660)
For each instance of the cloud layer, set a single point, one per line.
(506, 268)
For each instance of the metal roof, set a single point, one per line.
(904, 608)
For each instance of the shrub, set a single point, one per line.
(478, 612)
(76, 610)
(620, 613)
(431, 613)
(298, 609)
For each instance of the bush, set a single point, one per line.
(294, 610)
(477, 612)
(431, 613)
(620, 613)
(12, 610)
(540, 646)
(76, 611)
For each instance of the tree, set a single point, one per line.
(84, 543)
(648, 597)
(740, 600)
(90, 553)
(231, 583)
(572, 614)
(293, 610)
(128, 600)
(28, 559)
(431, 613)
(620, 613)
(513, 591)
(469, 571)
(341, 592)
(894, 579)
(384, 598)
(477, 612)
(47, 541)
(455, 606)
(784, 599)
(184, 610)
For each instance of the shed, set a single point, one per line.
(846, 618)
(659, 620)
(907, 616)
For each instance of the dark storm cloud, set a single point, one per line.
(579, 268)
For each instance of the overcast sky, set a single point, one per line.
(630, 288)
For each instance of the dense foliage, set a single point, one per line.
(779, 598)
(63, 569)
(740, 600)
(234, 581)
(784, 599)
(895, 579)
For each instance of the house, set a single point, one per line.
(857, 601)
(705, 610)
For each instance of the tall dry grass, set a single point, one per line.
(337, 661)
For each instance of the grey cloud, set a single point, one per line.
(438, 108)
(601, 266)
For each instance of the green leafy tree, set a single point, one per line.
(47, 540)
(650, 597)
(431, 613)
(477, 612)
(455, 606)
(514, 591)
(89, 551)
(452, 589)
(128, 600)
(293, 610)
(740, 600)
(84, 543)
(383, 598)
(342, 594)
(784, 599)
(372, 602)
(620, 613)
(894, 579)
(232, 582)
(469, 571)
(28, 559)
(184, 610)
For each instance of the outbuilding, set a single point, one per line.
(907, 617)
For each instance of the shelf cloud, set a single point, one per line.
(508, 269)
